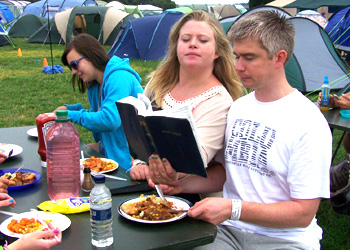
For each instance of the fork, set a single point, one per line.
(14, 172)
(43, 222)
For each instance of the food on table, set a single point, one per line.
(97, 164)
(150, 208)
(20, 178)
(25, 225)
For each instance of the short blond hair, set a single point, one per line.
(274, 30)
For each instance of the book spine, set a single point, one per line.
(147, 133)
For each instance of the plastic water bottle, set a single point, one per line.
(324, 105)
(63, 158)
(101, 214)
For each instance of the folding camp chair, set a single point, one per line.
(4, 33)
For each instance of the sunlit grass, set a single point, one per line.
(27, 91)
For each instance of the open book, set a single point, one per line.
(169, 133)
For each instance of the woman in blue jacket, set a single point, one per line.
(106, 80)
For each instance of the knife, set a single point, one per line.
(10, 153)
(8, 213)
(94, 173)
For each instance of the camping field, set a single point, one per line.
(26, 92)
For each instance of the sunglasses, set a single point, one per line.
(74, 64)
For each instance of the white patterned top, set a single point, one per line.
(209, 111)
(170, 102)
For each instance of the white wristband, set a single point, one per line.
(136, 162)
(236, 209)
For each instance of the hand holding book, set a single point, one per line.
(168, 133)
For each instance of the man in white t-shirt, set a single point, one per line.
(277, 151)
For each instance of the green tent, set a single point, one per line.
(315, 4)
(134, 10)
(131, 9)
(184, 9)
(26, 25)
(104, 23)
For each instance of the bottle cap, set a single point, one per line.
(326, 79)
(87, 170)
(99, 179)
(62, 113)
(62, 116)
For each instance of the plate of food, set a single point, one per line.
(154, 210)
(32, 132)
(102, 165)
(5, 148)
(23, 223)
(21, 179)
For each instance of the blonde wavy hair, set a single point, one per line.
(167, 73)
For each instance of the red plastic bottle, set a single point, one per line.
(43, 123)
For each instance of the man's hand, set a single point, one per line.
(344, 101)
(213, 210)
(332, 101)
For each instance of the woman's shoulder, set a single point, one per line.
(216, 96)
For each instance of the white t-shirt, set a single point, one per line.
(276, 151)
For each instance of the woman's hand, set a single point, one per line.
(161, 172)
(38, 240)
(4, 183)
(140, 172)
(60, 108)
(3, 157)
(6, 200)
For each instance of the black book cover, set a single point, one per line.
(171, 138)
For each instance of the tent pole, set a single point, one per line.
(48, 22)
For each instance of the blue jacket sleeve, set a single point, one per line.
(77, 106)
(116, 86)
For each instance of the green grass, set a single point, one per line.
(26, 92)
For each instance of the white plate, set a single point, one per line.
(32, 132)
(6, 148)
(58, 220)
(178, 202)
(104, 159)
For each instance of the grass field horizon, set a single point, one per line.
(27, 92)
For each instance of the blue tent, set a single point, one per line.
(43, 8)
(338, 28)
(145, 38)
(6, 14)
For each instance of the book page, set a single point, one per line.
(142, 103)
